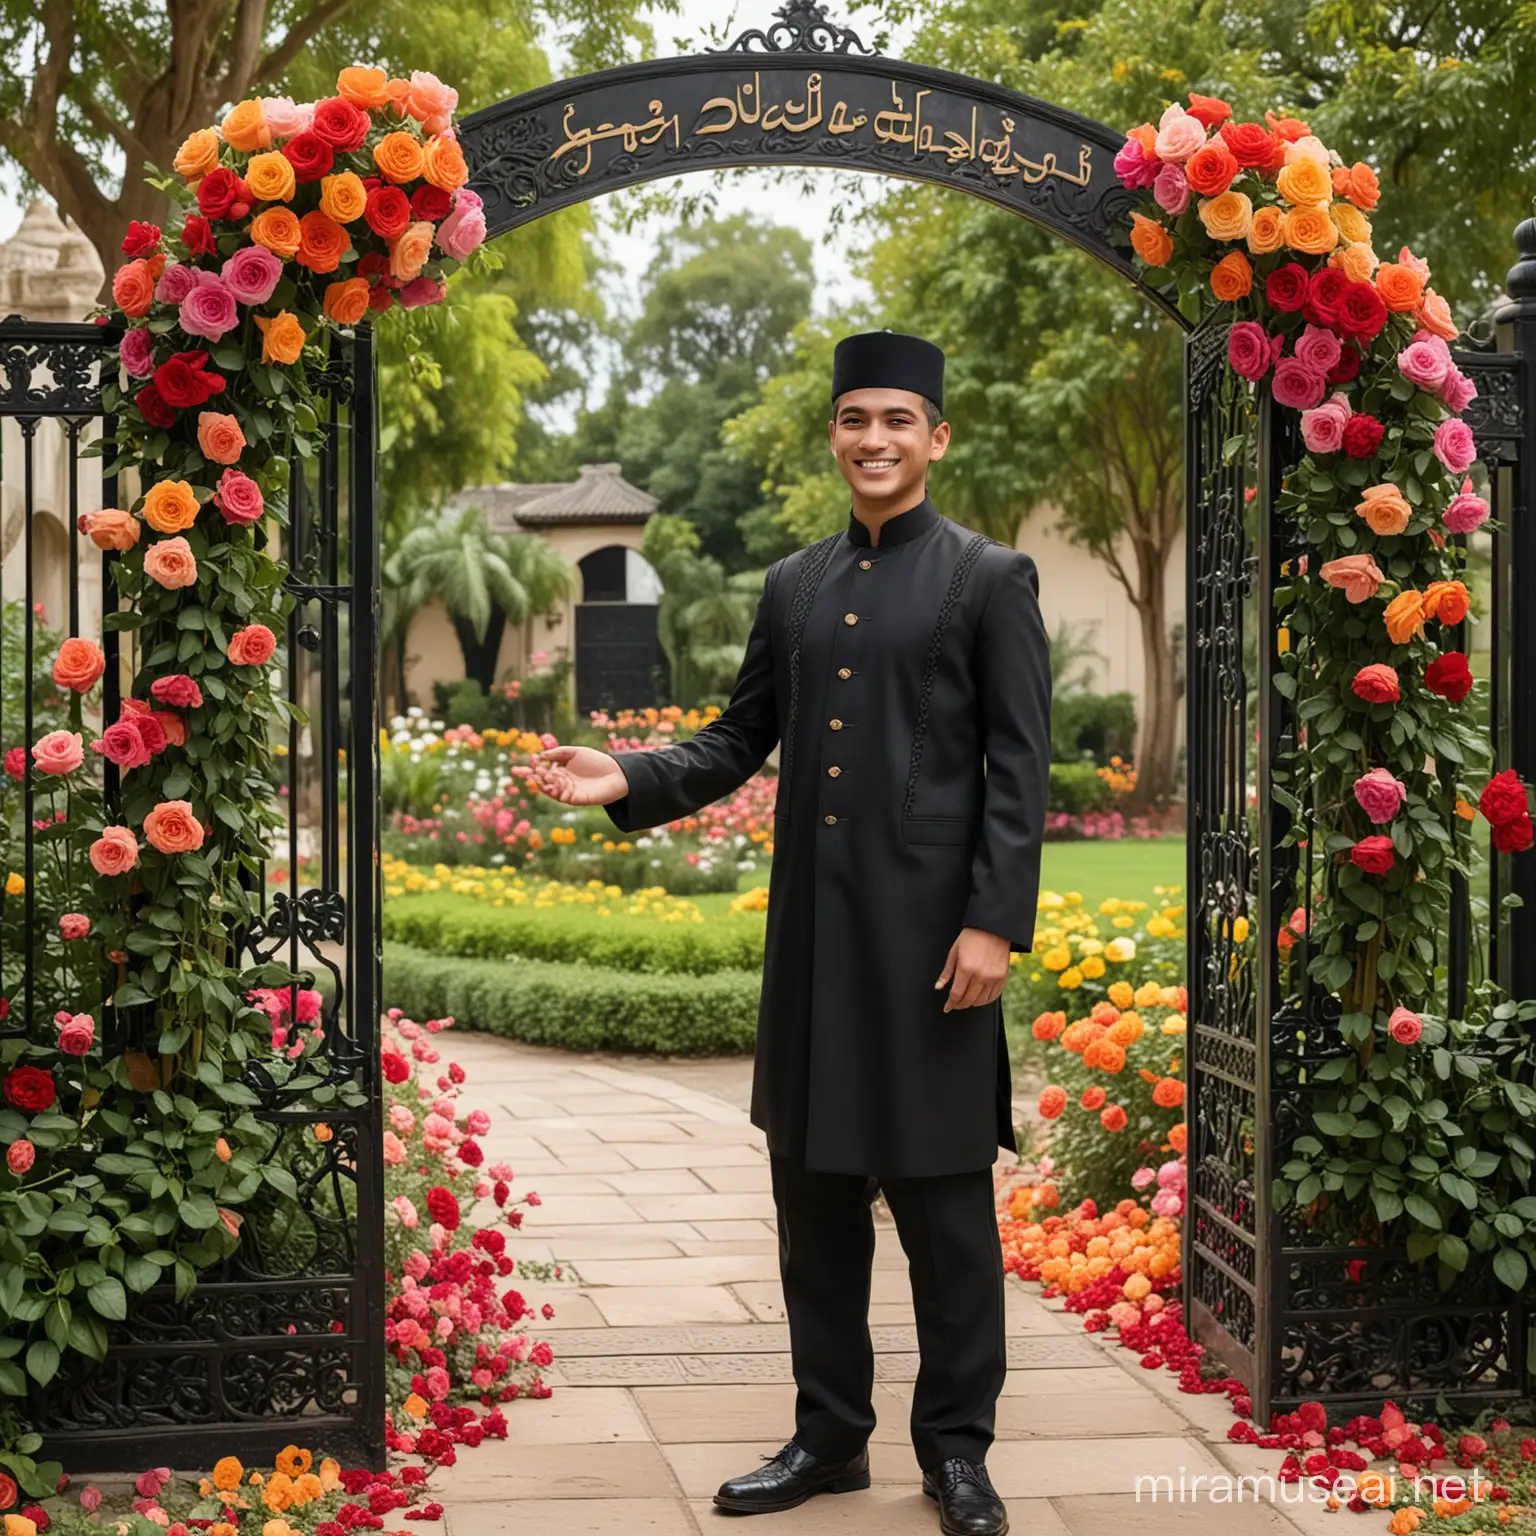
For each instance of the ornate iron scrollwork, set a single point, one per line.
(803, 27)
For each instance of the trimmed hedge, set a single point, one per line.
(447, 924)
(576, 1006)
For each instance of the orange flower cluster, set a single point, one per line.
(1069, 1253)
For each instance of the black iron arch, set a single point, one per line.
(804, 91)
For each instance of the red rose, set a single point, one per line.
(1514, 836)
(183, 381)
(177, 690)
(1286, 287)
(152, 407)
(197, 235)
(8, 1491)
(1325, 296)
(141, 239)
(223, 195)
(1362, 312)
(396, 1068)
(310, 155)
(1347, 367)
(1363, 434)
(388, 212)
(470, 1154)
(1448, 676)
(380, 298)
(1503, 799)
(374, 265)
(429, 202)
(442, 1207)
(1373, 854)
(37, 1515)
(1254, 146)
(29, 1089)
(341, 125)
(1377, 684)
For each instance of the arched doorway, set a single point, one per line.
(618, 649)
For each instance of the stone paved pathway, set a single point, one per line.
(672, 1371)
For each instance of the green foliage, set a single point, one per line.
(1076, 789)
(1096, 725)
(578, 1007)
(461, 925)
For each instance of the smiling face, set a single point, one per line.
(883, 444)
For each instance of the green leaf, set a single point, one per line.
(109, 1299)
(1510, 1266)
(43, 1361)
(1422, 1212)
(140, 1274)
(280, 1180)
(198, 1211)
(13, 1383)
(1453, 1252)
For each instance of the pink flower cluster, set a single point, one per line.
(1426, 362)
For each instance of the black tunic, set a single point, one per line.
(909, 686)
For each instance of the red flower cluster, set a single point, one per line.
(29, 1089)
(1506, 806)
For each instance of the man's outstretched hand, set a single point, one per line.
(579, 776)
(975, 971)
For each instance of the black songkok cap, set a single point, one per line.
(888, 360)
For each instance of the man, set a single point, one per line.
(902, 668)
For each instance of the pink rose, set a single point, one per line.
(1322, 429)
(124, 744)
(20, 1156)
(16, 763)
(284, 119)
(1380, 795)
(115, 852)
(150, 1483)
(1249, 350)
(90, 1498)
(1466, 512)
(431, 102)
(1458, 391)
(1171, 189)
(1405, 1027)
(1297, 386)
(306, 1005)
(74, 925)
(209, 311)
(421, 291)
(58, 753)
(409, 1217)
(1454, 446)
(463, 230)
(77, 1036)
(252, 273)
(1357, 576)
(220, 437)
(394, 1149)
(1318, 348)
(1425, 362)
(239, 498)
(1135, 167)
(1179, 135)
(176, 282)
(137, 352)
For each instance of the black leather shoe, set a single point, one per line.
(789, 1479)
(968, 1503)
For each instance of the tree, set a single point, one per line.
(92, 86)
(483, 579)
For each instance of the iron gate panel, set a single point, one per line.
(291, 1328)
(618, 652)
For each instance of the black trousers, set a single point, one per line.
(948, 1230)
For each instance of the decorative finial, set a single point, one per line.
(803, 27)
(1521, 282)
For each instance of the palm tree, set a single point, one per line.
(482, 578)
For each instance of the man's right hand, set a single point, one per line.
(579, 776)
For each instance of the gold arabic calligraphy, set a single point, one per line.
(894, 125)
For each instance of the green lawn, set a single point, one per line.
(1130, 868)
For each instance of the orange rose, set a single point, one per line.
(1359, 184)
(245, 127)
(408, 255)
(79, 664)
(443, 163)
(133, 289)
(322, 242)
(282, 336)
(1385, 509)
(198, 155)
(1232, 277)
(343, 197)
(1447, 601)
(1309, 229)
(1434, 315)
(271, 177)
(364, 87)
(251, 647)
(170, 563)
(399, 157)
(347, 302)
(278, 230)
(170, 506)
(111, 528)
(1266, 233)
(1146, 136)
(1356, 261)
(220, 438)
(1404, 616)
(1150, 240)
(172, 828)
(1304, 182)
(1400, 288)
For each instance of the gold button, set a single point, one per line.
(831, 821)
(850, 619)
(844, 673)
(834, 773)
(836, 725)
(866, 565)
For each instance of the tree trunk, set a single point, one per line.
(480, 655)
(1158, 743)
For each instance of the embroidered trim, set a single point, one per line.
(962, 573)
(812, 568)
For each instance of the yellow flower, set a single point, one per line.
(1121, 993)
(1353, 224)
(1121, 950)
(1123, 921)
(1228, 217)
(271, 178)
(14, 884)
(19, 1525)
(1174, 1024)
(307, 1488)
(1090, 947)
(1057, 959)
(1071, 979)
(330, 1474)
(1266, 233)
(1148, 995)
(1092, 967)
(1110, 905)
(1305, 182)
(1310, 230)
(1159, 927)
(1240, 930)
